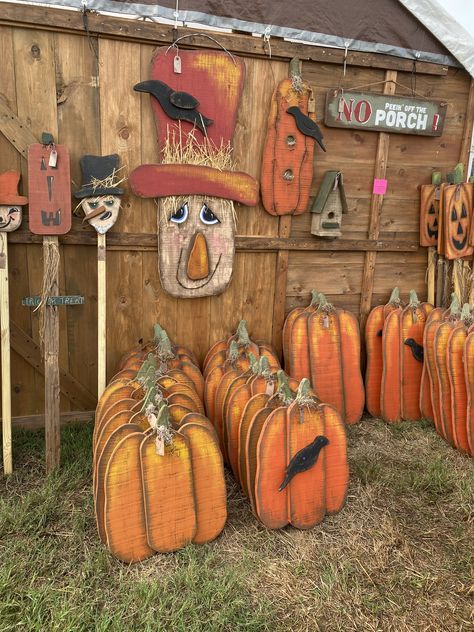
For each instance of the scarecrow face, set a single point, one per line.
(196, 243)
(101, 212)
(10, 218)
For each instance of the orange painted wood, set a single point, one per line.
(457, 382)
(287, 167)
(236, 406)
(441, 338)
(457, 216)
(426, 403)
(429, 215)
(125, 523)
(390, 395)
(469, 377)
(168, 494)
(337, 467)
(252, 407)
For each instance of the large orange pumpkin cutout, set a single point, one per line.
(429, 215)
(457, 220)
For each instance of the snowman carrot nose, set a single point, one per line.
(198, 260)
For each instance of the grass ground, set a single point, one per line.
(399, 557)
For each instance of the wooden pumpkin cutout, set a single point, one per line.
(287, 167)
(458, 201)
(49, 184)
(329, 206)
(429, 214)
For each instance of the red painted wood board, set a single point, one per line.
(49, 190)
(214, 78)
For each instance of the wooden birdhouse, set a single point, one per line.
(328, 206)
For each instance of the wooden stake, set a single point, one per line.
(101, 315)
(5, 355)
(51, 372)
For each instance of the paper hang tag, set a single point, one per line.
(437, 193)
(340, 106)
(311, 104)
(53, 158)
(177, 65)
(326, 322)
(270, 388)
(160, 445)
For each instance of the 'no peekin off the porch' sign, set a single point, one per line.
(383, 113)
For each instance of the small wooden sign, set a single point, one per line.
(34, 301)
(49, 184)
(384, 113)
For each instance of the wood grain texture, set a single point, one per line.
(5, 357)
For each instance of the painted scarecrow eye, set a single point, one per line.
(94, 205)
(12, 210)
(181, 215)
(109, 202)
(207, 216)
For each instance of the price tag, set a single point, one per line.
(160, 445)
(53, 158)
(270, 388)
(177, 65)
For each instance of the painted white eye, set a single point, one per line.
(207, 216)
(181, 215)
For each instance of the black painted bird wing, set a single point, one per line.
(307, 126)
(184, 100)
(416, 349)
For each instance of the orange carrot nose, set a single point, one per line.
(198, 260)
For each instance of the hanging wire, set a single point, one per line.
(85, 21)
(178, 39)
(267, 46)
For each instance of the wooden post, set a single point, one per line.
(5, 355)
(51, 371)
(375, 210)
(101, 315)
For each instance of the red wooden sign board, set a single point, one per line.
(49, 185)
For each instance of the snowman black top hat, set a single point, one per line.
(99, 176)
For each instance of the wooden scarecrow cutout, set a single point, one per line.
(10, 219)
(100, 201)
(11, 203)
(100, 192)
(195, 102)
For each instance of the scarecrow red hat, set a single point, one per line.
(202, 99)
(9, 189)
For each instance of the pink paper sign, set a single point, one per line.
(380, 186)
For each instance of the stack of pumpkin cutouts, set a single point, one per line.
(157, 463)
(447, 397)
(287, 451)
(322, 343)
(158, 471)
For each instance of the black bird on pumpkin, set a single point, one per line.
(304, 459)
(307, 126)
(416, 349)
(380, 333)
(179, 106)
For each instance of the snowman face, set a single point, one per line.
(10, 217)
(196, 245)
(101, 212)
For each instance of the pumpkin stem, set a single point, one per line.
(414, 302)
(455, 306)
(303, 388)
(233, 352)
(146, 367)
(314, 298)
(395, 296)
(283, 390)
(253, 363)
(243, 337)
(164, 348)
(157, 329)
(263, 366)
(466, 312)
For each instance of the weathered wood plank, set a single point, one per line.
(281, 277)
(36, 422)
(376, 209)
(15, 130)
(127, 29)
(71, 388)
(244, 243)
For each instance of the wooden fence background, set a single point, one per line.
(52, 81)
